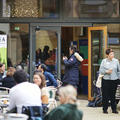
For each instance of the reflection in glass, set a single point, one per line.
(29, 8)
(96, 53)
(91, 8)
(46, 49)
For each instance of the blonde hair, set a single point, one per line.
(69, 93)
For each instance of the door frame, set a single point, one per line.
(38, 26)
(104, 29)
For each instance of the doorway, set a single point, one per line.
(44, 48)
(57, 41)
(90, 41)
(97, 37)
(77, 36)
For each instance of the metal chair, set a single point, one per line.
(52, 102)
(34, 112)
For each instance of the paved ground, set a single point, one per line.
(91, 113)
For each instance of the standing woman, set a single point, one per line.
(71, 75)
(109, 68)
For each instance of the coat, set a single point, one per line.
(71, 75)
(50, 80)
(8, 82)
(65, 112)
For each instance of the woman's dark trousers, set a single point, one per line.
(108, 94)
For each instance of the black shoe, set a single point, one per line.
(116, 112)
(105, 111)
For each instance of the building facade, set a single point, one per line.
(36, 26)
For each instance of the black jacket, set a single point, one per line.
(8, 82)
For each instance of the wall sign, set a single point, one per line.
(3, 49)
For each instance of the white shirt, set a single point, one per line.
(24, 94)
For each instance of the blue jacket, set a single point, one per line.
(71, 75)
(51, 81)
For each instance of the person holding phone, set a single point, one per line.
(72, 63)
(109, 68)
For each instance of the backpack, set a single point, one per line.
(96, 102)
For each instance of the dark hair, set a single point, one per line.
(41, 75)
(11, 71)
(43, 66)
(20, 76)
(1, 64)
(74, 48)
(108, 51)
(46, 48)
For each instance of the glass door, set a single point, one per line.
(97, 43)
(45, 48)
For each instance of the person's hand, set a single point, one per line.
(109, 71)
(65, 58)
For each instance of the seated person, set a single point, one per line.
(50, 80)
(24, 93)
(68, 109)
(20, 67)
(2, 71)
(9, 81)
(39, 79)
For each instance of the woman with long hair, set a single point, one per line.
(39, 79)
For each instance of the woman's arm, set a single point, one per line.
(44, 95)
(70, 62)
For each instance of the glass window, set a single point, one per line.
(17, 44)
(46, 49)
(91, 8)
(29, 8)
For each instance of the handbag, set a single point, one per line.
(99, 81)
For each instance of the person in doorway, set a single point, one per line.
(45, 54)
(38, 56)
(50, 80)
(68, 108)
(71, 75)
(109, 68)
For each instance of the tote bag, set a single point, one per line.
(99, 81)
